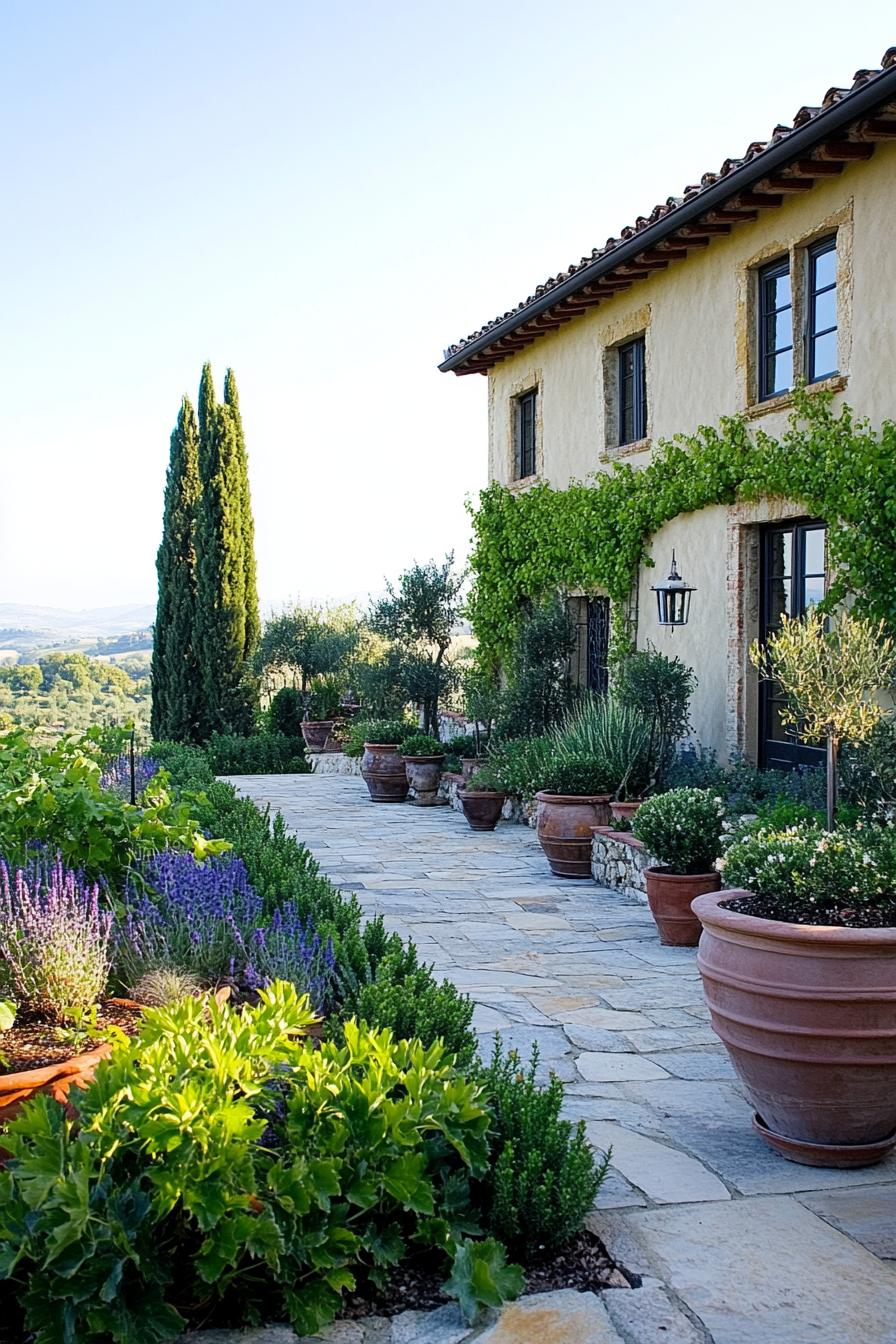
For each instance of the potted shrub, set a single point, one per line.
(322, 707)
(382, 767)
(799, 959)
(482, 799)
(799, 970)
(423, 756)
(573, 800)
(683, 830)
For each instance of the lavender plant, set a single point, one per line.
(208, 920)
(116, 778)
(54, 939)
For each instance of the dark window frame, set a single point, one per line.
(525, 418)
(773, 271)
(632, 420)
(789, 752)
(818, 249)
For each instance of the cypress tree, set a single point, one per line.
(176, 690)
(250, 580)
(221, 605)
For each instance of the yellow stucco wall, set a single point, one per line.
(699, 323)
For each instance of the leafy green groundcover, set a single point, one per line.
(221, 1158)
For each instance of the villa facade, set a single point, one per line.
(779, 268)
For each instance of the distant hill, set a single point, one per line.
(30, 630)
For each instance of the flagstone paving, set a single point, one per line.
(736, 1245)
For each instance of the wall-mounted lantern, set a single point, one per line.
(673, 598)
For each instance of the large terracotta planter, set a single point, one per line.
(669, 896)
(423, 777)
(564, 828)
(808, 1016)
(482, 808)
(625, 811)
(382, 769)
(316, 734)
(56, 1079)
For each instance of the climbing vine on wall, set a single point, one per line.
(594, 535)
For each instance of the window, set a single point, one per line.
(524, 434)
(589, 661)
(793, 579)
(632, 392)
(821, 334)
(775, 329)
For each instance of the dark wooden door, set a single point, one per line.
(793, 579)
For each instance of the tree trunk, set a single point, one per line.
(833, 753)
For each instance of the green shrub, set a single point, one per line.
(187, 765)
(542, 1179)
(616, 738)
(539, 691)
(258, 754)
(486, 778)
(406, 997)
(575, 776)
(377, 731)
(421, 744)
(777, 814)
(519, 766)
(811, 875)
(220, 1159)
(286, 712)
(659, 689)
(53, 796)
(682, 829)
(868, 770)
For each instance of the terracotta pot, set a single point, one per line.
(625, 811)
(382, 768)
(808, 1016)
(482, 808)
(564, 828)
(469, 765)
(669, 896)
(423, 777)
(316, 734)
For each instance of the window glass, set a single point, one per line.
(814, 550)
(775, 330)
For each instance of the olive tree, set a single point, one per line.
(830, 675)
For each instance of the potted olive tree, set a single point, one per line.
(798, 959)
(423, 756)
(683, 830)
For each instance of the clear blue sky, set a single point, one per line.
(324, 196)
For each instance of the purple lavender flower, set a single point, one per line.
(54, 938)
(208, 919)
(116, 778)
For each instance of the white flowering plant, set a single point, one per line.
(682, 829)
(804, 868)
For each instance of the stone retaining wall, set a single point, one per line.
(618, 861)
(334, 763)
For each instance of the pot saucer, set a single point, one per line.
(825, 1154)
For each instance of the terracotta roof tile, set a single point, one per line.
(709, 179)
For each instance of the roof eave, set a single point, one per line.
(850, 108)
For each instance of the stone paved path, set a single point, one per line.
(737, 1246)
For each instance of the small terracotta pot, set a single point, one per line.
(316, 734)
(564, 828)
(625, 811)
(808, 1016)
(423, 777)
(482, 808)
(382, 769)
(469, 765)
(669, 896)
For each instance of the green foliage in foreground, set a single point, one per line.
(53, 796)
(541, 1180)
(218, 1157)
